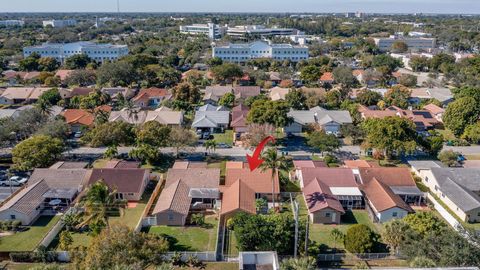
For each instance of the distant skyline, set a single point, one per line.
(290, 6)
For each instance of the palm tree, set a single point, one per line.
(44, 107)
(276, 163)
(98, 201)
(132, 111)
(211, 144)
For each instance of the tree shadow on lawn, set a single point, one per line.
(348, 218)
(174, 245)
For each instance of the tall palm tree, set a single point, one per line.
(98, 201)
(132, 111)
(276, 163)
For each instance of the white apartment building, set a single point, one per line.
(241, 53)
(11, 23)
(415, 44)
(59, 23)
(242, 31)
(97, 52)
(211, 30)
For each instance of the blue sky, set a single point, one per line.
(384, 6)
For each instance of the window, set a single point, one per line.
(13, 217)
(394, 214)
(170, 216)
(327, 214)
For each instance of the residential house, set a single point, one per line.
(114, 92)
(274, 77)
(136, 117)
(436, 111)
(189, 165)
(243, 92)
(16, 95)
(80, 119)
(422, 119)
(420, 167)
(330, 121)
(211, 118)
(151, 97)
(389, 192)
(322, 205)
(128, 183)
(164, 117)
(187, 190)
(278, 93)
(122, 164)
(239, 120)
(213, 94)
(69, 165)
(63, 74)
(444, 95)
(242, 187)
(47, 192)
(66, 93)
(300, 164)
(458, 188)
(327, 78)
(342, 183)
(4, 113)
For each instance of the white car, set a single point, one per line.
(15, 181)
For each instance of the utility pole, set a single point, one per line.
(295, 215)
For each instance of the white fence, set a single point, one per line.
(335, 257)
(54, 231)
(204, 256)
(149, 221)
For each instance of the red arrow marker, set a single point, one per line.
(255, 160)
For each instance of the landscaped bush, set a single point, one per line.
(21, 257)
(197, 219)
(10, 225)
(360, 239)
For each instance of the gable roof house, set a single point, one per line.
(14, 112)
(63, 74)
(458, 188)
(151, 97)
(79, 119)
(422, 119)
(444, 95)
(186, 190)
(16, 95)
(329, 120)
(47, 191)
(67, 93)
(128, 183)
(213, 94)
(244, 92)
(136, 117)
(239, 120)
(114, 92)
(436, 111)
(211, 118)
(389, 192)
(242, 187)
(278, 93)
(327, 77)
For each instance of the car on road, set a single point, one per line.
(223, 146)
(15, 181)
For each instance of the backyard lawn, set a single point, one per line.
(29, 240)
(320, 233)
(190, 238)
(226, 137)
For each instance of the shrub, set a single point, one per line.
(21, 257)
(176, 259)
(360, 239)
(197, 219)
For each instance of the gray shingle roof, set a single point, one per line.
(324, 116)
(211, 119)
(459, 185)
(302, 117)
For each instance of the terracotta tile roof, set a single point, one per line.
(63, 73)
(189, 164)
(234, 165)
(299, 164)
(258, 181)
(31, 75)
(17, 92)
(122, 164)
(152, 92)
(123, 180)
(388, 175)
(238, 197)
(78, 116)
(174, 198)
(240, 108)
(434, 109)
(333, 177)
(382, 197)
(60, 165)
(358, 72)
(318, 196)
(198, 177)
(355, 164)
(326, 77)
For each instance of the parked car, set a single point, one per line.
(223, 145)
(15, 181)
(77, 134)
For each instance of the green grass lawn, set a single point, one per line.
(190, 238)
(320, 233)
(226, 137)
(29, 240)
(99, 163)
